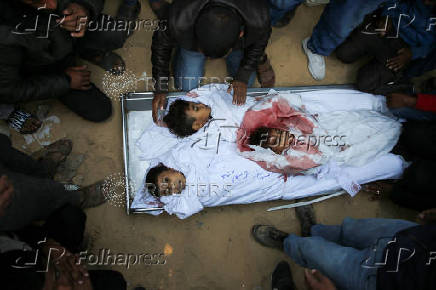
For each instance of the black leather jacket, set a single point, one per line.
(181, 18)
(31, 64)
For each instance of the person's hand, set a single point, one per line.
(75, 19)
(317, 281)
(65, 263)
(159, 103)
(6, 193)
(404, 56)
(239, 92)
(397, 100)
(42, 4)
(80, 77)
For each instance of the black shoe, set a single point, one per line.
(285, 19)
(306, 216)
(269, 236)
(282, 277)
(129, 12)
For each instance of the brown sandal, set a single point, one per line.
(53, 155)
(265, 73)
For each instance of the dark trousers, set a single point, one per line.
(416, 188)
(35, 196)
(91, 105)
(422, 65)
(67, 226)
(374, 77)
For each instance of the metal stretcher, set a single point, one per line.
(143, 102)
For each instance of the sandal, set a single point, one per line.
(265, 73)
(53, 155)
(23, 122)
(92, 195)
(109, 61)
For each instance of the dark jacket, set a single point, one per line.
(32, 63)
(416, 25)
(181, 19)
(411, 260)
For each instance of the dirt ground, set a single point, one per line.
(213, 249)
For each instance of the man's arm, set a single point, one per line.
(14, 88)
(161, 48)
(424, 102)
(252, 54)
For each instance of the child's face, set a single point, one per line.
(278, 140)
(170, 182)
(201, 114)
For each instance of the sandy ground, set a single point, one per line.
(213, 249)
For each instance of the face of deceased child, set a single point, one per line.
(201, 114)
(278, 140)
(170, 182)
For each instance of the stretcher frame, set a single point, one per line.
(143, 102)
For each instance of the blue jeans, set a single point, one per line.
(278, 8)
(413, 114)
(346, 253)
(189, 68)
(339, 19)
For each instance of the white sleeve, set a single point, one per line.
(342, 100)
(182, 205)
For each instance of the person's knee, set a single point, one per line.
(102, 113)
(71, 216)
(344, 54)
(366, 80)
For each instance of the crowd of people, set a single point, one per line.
(42, 40)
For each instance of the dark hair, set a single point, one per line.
(178, 122)
(217, 30)
(151, 179)
(258, 136)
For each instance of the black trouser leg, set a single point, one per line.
(91, 104)
(107, 280)
(374, 77)
(416, 188)
(67, 226)
(102, 35)
(34, 199)
(17, 161)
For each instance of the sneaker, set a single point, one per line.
(281, 278)
(306, 216)
(316, 62)
(269, 236)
